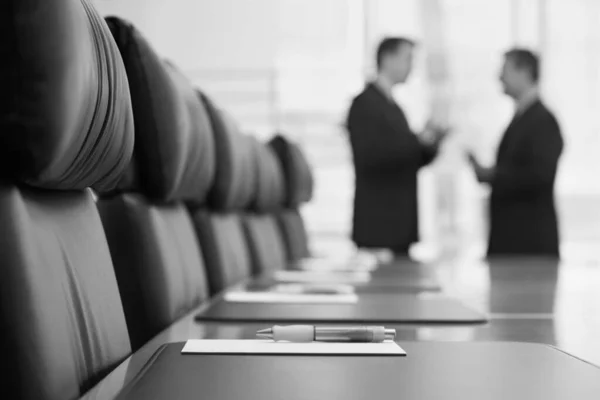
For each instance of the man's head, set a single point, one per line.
(520, 72)
(394, 58)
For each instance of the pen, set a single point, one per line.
(309, 333)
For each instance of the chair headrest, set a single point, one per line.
(234, 184)
(270, 187)
(65, 108)
(298, 176)
(174, 157)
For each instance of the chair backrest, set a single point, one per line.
(264, 237)
(294, 234)
(157, 258)
(219, 224)
(298, 177)
(299, 186)
(66, 125)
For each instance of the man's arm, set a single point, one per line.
(538, 169)
(430, 141)
(428, 153)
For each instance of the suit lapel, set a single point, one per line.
(393, 113)
(511, 133)
(506, 137)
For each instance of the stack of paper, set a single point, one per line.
(312, 288)
(322, 277)
(274, 297)
(332, 265)
(387, 348)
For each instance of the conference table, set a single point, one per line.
(536, 302)
(398, 276)
(376, 308)
(379, 283)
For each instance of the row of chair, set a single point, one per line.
(198, 210)
(127, 197)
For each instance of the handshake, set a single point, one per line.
(434, 133)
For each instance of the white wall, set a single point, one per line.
(307, 51)
(207, 34)
(289, 65)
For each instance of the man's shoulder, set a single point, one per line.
(365, 101)
(543, 123)
(365, 96)
(539, 115)
(542, 111)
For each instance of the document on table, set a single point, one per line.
(312, 288)
(327, 265)
(275, 297)
(322, 277)
(196, 346)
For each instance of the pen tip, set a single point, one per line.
(264, 336)
(265, 333)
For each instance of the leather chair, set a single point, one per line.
(65, 125)
(156, 255)
(298, 191)
(219, 223)
(265, 241)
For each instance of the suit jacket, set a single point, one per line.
(387, 156)
(522, 213)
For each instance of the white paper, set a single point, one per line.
(329, 265)
(195, 346)
(274, 297)
(312, 288)
(322, 277)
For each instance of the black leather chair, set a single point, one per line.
(219, 223)
(298, 191)
(265, 241)
(157, 258)
(65, 125)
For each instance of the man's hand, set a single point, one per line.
(433, 134)
(473, 161)
(483, 174)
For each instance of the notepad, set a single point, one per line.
(327, 265)
(312, 288)
(322, 277)
(195, 346)
(274, 297)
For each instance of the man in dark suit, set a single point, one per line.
(387, 156)
(523, 217)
